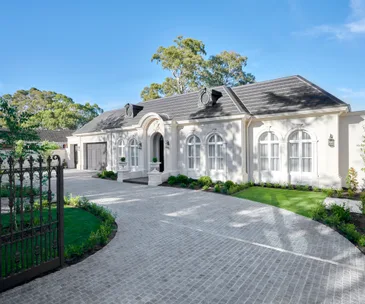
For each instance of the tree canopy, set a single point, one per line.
(191, 70)
(52, 111)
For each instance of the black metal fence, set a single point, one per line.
(31, 218)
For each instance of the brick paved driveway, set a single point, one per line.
(181, 246)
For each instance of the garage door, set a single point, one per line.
(96, 156)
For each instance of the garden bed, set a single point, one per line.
(109, 175)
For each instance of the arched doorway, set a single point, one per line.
(158, 149)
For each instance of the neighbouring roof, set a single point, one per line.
(289, 94)
(59, 136)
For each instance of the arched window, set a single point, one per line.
(194, 152)
(215, 152)
(121, 149)
(269, 152)
(300, 152)
(133, 153)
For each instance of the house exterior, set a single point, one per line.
(286, 130)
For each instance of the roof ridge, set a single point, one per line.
(236, 100)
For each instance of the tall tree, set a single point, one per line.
(51, 110)
(190, 70)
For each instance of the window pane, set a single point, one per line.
(307, 149)
(274, 137)
(219, 150)
(275, 164)
(294, 136)
(305, 135)
(294, 164)
(274, 150)
(190, 150)
(197, 140)
(212, 163)
(220, 163)
(219, 138)
(264, 164)
(197, 163)
(197, 150)
(191, 163)
(212, 139)
(294, 150)
(264, 150)
(307, 164)
(211, 150)
(264, 137)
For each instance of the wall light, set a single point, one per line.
(331, 141)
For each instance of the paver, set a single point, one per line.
(182, 246)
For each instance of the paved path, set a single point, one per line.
(183, 246)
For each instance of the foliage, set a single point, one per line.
(339, 193)
(217, 188)
(183, 185)
(269, 185)
(342, 212)
(316, 189)
(51, 110)
(108, 174)
(16, 124)
(277, 185)
(182, 179)
(154, 159)
(205, 181)
(319, 212)
(333, 220)
(362, 202)
(362, 149)
(193, 185)
(228, 184)
(361, 241)
(329, 192)
(224, 190)
(122, 159)
(190, 70)
(172, 180)
(100, 236)
(350, 193)
(350, 232)
(351, 179)
(205, 187)
(262, 184)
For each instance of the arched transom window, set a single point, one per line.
(215, 152)
(133, 153)
(269, 152)
(300, 152)
(194, 152)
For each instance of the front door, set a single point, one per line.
(75, 156)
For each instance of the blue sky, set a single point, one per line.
(100, 51)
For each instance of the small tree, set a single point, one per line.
(351, 179)
(16, 132)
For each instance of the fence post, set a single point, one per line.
(60, 204)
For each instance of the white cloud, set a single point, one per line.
(351, 94)
(348, 29)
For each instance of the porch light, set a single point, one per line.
(140, 145)
(331, 141)
(167, 144)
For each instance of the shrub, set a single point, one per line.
(290, 187)
(154, 159)
(183, 185)
(342, 212)
(319, 212)
(350, 231)
(190, 180)
(251, 184)
(234, 189)
(269, 185)
(361, 241)
(182, 179)
(277, 185)
(329, 192)
(107, 174)
(350, 193)
(262, 184)
(205, 181)
(122, 159)
(351, 179)
(362, 202)
(228, 184)
(302, 187)
(172, 180)
(333, 220)
(193, 185)
(224, 190)
(283, 186)
(316, 189)
(217, 188)
(205, 187)
(339, 193)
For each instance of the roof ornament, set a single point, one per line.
(208, 97)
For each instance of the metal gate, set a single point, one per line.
(31, 218)
(96, 156)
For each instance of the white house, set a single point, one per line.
(286, 130)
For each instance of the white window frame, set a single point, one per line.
(196, 142)
(300, 141)
(270, 157)
(133, 147)
(216, 143)
(121, 149)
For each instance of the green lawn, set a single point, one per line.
(300, 202)
(78, 224)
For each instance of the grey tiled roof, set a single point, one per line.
(288, 94)
(54, 135)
